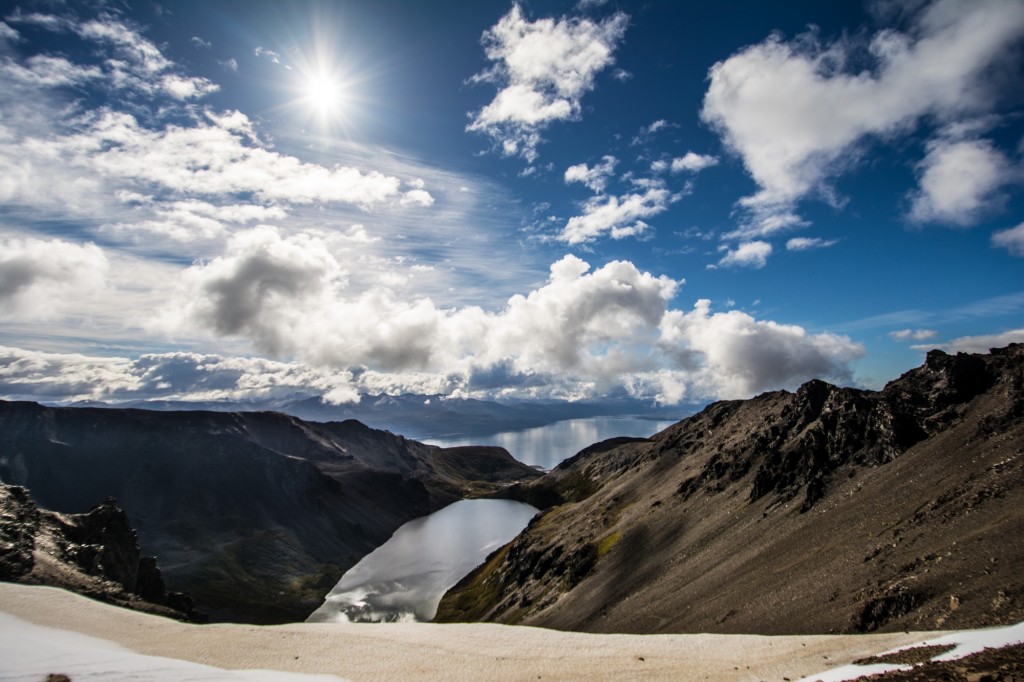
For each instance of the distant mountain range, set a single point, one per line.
(255, 514)
(825, 510)
(424, 416)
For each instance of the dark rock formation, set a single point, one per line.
(827, 509)
(251, 513)
(95, 554)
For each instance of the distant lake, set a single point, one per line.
(405, 578)
(546, 446)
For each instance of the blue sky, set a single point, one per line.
(679, 202)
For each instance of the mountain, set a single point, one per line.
(421, 416)
(256, 515)
(825, 510)
(95, 554)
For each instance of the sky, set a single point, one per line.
(673, 201)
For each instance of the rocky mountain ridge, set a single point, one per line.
(95, 554)
(256, 515)
(828, 509)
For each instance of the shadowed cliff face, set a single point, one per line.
(828, 509)
(95, 554)
(256, 515)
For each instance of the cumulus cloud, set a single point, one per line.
(616, 216)
(959, 180)
(913, 334)
(747, 255)
(41, 279)
(1012, 240)
(693, 162)
(809, 243)
(796, 111)
(977, 344)
(595, 177)
(543, 69)
(735, 355)
(582, 333)
(260, 286)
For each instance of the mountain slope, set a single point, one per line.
(95, 554)
(828, 509)
(254, 514)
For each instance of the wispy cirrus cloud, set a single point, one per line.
(913, 334)
(977, 344)
(1011, 239)
(543, 69)
(809, 243)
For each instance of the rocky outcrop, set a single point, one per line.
(827, 509)
(256, 515)
(95, 554)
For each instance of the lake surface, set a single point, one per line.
(405, 578)
(546, 446)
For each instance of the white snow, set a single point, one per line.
(28, 653)
(967, 642)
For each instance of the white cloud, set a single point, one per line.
(647, 131)
(1011, 239)
(261, 287)
(139, 65)
(977, 344)
(67, 376)
(543, 69)
(581, 334)
(734, 355)
(747, 255)
(43, 279)
(47, 71)
(264, 53)
(616, 216)
(7, 32)
(693, 162)
(913, 334)
(199, 42)
(218, 159)
(596, 177)
(796, 111)
(808, 243)
(959, 181)
(417, 197)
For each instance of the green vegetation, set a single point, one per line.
(606, 543)
(476, 594)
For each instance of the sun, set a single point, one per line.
(324, 94)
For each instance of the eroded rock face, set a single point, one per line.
(95, 553)
(827, 509)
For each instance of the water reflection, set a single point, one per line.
(546, 446)
(405, 578)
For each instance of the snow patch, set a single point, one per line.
(31, 652)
